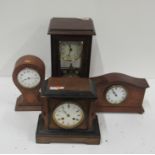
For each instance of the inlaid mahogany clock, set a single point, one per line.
(71, 41)
(28, 75)
(68, 112)
(118, 92)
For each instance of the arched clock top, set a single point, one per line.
(121, 78)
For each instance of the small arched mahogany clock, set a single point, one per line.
(28, 74)
(117, 92)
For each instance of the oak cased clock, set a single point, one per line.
(71, 41)
(28, 75)
(68, 112)
(118, 92)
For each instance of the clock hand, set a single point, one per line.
(114, 92)
(28, 78)
(68, 115)
(70, 48)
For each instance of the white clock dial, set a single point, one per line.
(68, 115)
(70, 52)
(116, 94)
(28, 78)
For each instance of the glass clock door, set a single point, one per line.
(70, 57)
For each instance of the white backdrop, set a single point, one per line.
(125, 40)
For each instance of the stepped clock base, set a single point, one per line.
(68, 136)
(26, 106)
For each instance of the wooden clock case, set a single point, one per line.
(71, 29)
(135, 89)
(81, 91)
(30, 100)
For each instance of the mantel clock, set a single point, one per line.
(68, 112)
(71, 40)
(28, 75)
(117, 92)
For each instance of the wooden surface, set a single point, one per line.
(71, 26)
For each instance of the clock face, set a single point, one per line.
(68, 115)
(28, 78)
(116, 94)
(70, 53)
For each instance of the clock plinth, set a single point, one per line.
(22, 105)
(91, 136)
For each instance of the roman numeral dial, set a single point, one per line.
(68, 115)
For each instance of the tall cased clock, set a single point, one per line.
(71, 41)
(68, 112)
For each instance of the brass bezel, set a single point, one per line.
(64, 126)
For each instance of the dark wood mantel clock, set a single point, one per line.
(68, 112)
(71, 40)
(117, 92)
(28, 75)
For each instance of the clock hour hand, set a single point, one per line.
(28, 78)
(114, 92)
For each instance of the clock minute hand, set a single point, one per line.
(64, 111)
(68, 115)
